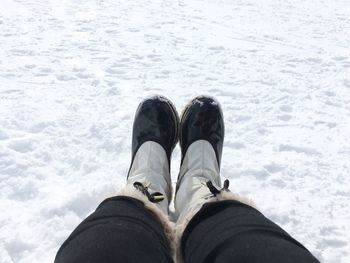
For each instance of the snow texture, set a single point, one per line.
(72, 73)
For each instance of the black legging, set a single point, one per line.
(123, 230)
(120, 230)
(229, 231)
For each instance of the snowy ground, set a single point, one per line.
(72, 73)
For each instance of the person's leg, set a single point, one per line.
(213, 224)
(134, 226)
(121, 229)
(230, 231)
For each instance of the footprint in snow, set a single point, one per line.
(62, 77)
(298, 149)
(346, 83)
(331, 242)
(235, 145)
(22, 145)
(330, 93)
(216, 48)
(286, 108)
(284, 117)
(24, 191)
(46, 70)
(274, 167)
(30, 66)
(339, 58)
(39, 127)
(23, 52)
(43, 72)
(258, 174)
(81, 75)
(115, 71)
(3, 136)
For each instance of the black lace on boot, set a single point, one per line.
(216, 191)
(154, 197)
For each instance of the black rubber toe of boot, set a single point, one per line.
(156, 119)
(202, 119)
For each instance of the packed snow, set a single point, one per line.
(72, 73)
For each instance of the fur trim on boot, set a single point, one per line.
(180, 228)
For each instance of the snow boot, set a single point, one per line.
(202, 133)
(155, 134)
(201, 139)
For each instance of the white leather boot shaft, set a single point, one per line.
(151, 168)
(199, 166)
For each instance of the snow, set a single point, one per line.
(73, 72)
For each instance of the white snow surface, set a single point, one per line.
(72, 73)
